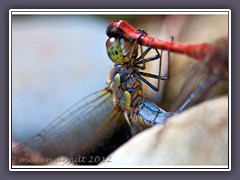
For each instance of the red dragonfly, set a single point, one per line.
(214, 68)
(126, 30)
(214, 57)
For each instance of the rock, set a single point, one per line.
(198, 136)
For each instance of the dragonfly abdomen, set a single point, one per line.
(148, 114)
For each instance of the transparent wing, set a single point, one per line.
(195, 76)
(78, 130)
(210, 72)
(198, 86)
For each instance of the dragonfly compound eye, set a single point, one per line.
(114, 50)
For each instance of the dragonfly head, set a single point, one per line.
(112, 28)
(121, 51)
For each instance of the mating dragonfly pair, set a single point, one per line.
(100, 113)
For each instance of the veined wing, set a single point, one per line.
(197, 74)
(198, 86)
(78, 130)
(213, 69)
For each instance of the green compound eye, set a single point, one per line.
(114, 50)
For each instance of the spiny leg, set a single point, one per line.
(165, 67)
(152, 76)
(141, 60)
(159, 77)
(149, 84)
(155, 88)
(163, 72)
(133, 47)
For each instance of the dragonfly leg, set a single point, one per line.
(159, 77)
(153, 76)
(165, 67)
(149, 84)
(141, 60)
(142, 31)
(143, 54)
(136, 42)
(163, 72)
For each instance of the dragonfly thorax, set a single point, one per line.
(125, 86)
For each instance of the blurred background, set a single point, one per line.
(58, 60)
